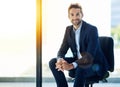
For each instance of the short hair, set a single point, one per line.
(75, 5)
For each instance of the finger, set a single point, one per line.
(64, 65)
(60, 69)
(58, 66)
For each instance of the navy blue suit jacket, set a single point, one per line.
(89, 42)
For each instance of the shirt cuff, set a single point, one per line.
(75, 65)
(59, 59)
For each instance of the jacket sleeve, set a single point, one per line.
(64, 46)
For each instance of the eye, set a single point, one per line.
(72, 14)
(77, 14)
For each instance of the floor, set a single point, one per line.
(52, 84)
(17, 84)
(95, 85)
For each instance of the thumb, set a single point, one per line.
(63, 61)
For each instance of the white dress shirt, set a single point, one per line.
(77, 38)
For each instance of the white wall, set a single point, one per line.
(17, 37)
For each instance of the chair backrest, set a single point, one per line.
(107, 45)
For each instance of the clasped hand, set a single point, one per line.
(62, 65)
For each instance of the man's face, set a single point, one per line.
(75, 16)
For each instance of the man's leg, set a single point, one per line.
(81, 75)
(59, 75)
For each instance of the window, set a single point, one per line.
(18, 39)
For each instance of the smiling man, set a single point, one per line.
(82, 38)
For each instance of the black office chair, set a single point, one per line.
(107, 45)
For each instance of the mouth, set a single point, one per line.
(76, 22)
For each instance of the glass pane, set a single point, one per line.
(115, 32)
(18, 40)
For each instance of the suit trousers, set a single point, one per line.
(79, 74)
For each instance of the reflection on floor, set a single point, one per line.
(17, 84)
(51, 84)
(95, 85)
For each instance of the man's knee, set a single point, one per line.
(52, 62)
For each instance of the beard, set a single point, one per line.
(76, 22)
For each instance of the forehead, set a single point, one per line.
(74, 10)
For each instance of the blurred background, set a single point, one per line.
(18, 35)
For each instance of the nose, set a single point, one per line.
(74, 17)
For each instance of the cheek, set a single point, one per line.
(70, 18)
(79, 17)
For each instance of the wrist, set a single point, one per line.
(71, 66)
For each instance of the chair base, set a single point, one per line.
(90, 81)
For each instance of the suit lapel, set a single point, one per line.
(82, 34)
(72, 36)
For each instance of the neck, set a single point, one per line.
(76, 26)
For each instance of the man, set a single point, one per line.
(87, 60)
